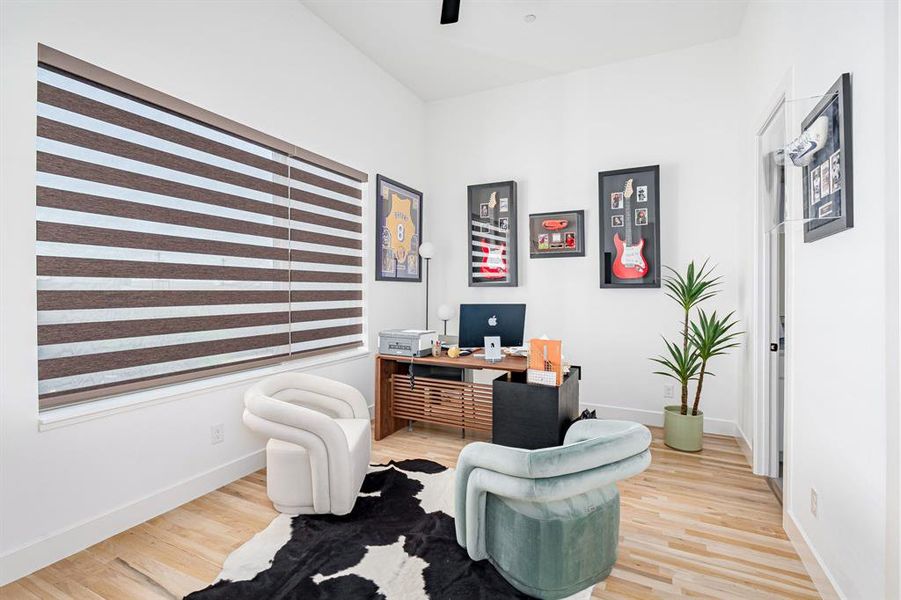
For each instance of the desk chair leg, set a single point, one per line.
(410, 425)
(463, 433)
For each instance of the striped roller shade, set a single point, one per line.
(170, 249)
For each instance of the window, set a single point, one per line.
(174, 244)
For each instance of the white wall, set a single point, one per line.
(270, 65)
(836, 367)
(893, 296)
(679, 110)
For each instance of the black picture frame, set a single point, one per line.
(829, 213)
(548, 248)
(614, 182)
(383, 235)
(488, 241)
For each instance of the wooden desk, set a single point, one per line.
(455, 403)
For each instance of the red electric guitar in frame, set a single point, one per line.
(630, 262)
(494, 260)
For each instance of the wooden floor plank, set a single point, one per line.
(693, 525)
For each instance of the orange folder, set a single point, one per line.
(547, 355)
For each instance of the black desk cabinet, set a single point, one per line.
(533, 416)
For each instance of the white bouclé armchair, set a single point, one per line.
(319, 445)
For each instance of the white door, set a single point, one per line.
(771, 195)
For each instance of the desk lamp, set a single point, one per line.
(446, 312)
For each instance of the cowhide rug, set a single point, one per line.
(398, 543)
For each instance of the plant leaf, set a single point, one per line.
(678, 364)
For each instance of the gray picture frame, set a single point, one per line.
(647, 232)
(836, 104)
(577, 227)
(381, 213)
(489, 244)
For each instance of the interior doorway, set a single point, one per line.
(772, 198)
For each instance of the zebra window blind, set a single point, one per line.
(174, 244)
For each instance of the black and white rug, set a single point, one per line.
(397, 544)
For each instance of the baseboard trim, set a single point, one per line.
(56, 546)
(654, 418)
(818, 573)
(745, 446)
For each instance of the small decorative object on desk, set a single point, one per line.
(545, 362)
(436, 348)
(522, 351)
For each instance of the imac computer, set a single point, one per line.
(477, 321)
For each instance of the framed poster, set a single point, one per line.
(828, 189)
(630, 227)
(491, 220)
(557, 234)
(398, 230)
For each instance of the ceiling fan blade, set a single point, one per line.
(450, 11)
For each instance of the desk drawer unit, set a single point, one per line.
(531, 416)
(455, 403)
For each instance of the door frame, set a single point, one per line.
(764, 425)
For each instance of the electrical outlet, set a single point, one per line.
(668, 390)
(217, 434)
(813, 502)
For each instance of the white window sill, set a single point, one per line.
(70, 415)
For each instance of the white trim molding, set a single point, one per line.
(654, 418)
(759, 341)
(78, 413)
(57, 545)
(820, 576)
(745, 444)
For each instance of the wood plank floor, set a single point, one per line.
(693, 525)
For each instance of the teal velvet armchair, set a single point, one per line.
(548, 519)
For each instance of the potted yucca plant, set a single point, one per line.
(701, 339)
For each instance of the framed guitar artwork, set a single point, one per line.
(630, 227)
(491, 220)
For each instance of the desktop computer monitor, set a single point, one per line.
(478, 321)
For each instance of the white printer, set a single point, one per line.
(407, 342)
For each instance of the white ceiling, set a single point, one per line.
(493, 45)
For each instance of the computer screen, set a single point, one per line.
(480, 320)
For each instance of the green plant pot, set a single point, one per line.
(683, 432)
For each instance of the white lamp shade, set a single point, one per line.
(427, 250)
(446, 312)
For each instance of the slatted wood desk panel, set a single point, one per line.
(456, 403)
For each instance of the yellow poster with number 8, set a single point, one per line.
(400, 224)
